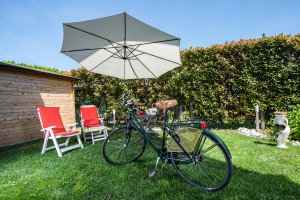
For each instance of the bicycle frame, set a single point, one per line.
(132, 121)
(198, 155)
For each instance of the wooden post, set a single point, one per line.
(191, 111)
(256, 108)
(114, 118)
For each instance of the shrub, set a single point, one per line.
(294, 122)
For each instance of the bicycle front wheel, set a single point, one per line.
(123, 146)
(211, 168)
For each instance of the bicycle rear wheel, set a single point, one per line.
(123, 146)
(211, 168)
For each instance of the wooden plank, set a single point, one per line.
(21, 93)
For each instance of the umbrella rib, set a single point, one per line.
(110, 41)
(143, 65)
(120, 55)
(132, 50)
(81, 50)
(104, 61)
(132, 69)
(96, 49)
(135, 55)
(116, 49)
(158, 57)
(160, 41)
(89, 49)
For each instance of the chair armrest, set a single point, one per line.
(73, 126)
(68, 125)
(48, 128)
(101, 120)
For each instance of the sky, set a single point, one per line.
(31, 31)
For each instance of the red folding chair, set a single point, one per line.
(53, 128)
(90, 121)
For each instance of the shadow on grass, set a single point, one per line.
(265, 143)
(84, 174)
(245, 184)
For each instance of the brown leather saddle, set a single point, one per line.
(166, 104)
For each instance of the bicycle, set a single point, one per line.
(198, 155)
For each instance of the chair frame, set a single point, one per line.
(96, 132)
(49, 134)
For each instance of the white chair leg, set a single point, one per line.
(67, 141)
(56, 146)
(92, 134)
(45, 142)
(105, 133)
(79, 141)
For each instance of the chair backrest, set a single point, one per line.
(49, 116)
(89, 114)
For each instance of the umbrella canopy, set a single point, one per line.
(121, 46)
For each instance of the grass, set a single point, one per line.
(261, 171)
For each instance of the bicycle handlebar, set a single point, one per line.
(128, 103)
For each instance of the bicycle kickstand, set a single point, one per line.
(159, 173)
(153, 172)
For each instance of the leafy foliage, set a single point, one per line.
(294, 122)
(223, 82)
(55, 70)
(105, 92)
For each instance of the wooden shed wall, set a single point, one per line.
(21, 93)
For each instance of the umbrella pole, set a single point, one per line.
(146, 86)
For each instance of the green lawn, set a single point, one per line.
(261, 171)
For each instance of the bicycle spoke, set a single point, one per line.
(123, 147)
(211, 168)
(209, 148)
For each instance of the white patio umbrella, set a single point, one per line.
(121, 46)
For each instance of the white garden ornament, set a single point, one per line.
(280, 119)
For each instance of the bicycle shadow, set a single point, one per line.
(247, 184)
(244, 184)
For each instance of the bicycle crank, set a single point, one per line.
(198, 159)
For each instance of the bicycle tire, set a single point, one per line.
(123, 146)
(212, 167)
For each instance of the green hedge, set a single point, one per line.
(223, 82)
